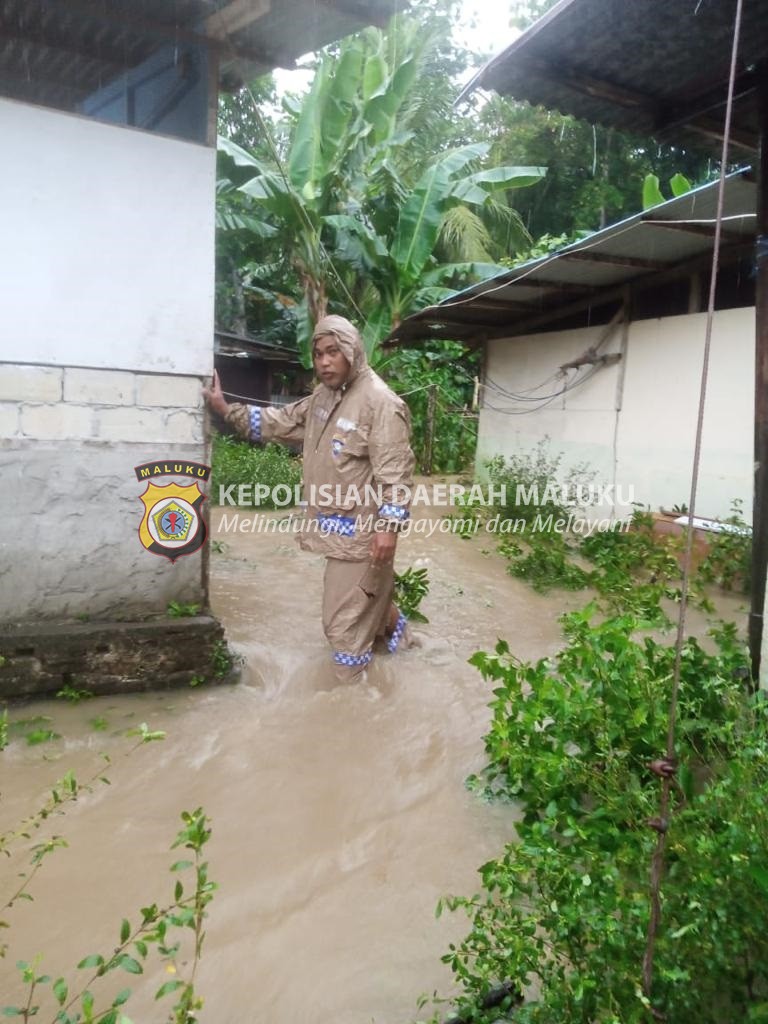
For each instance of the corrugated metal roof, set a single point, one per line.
(57, 52)
(643, 65)
(648, 248)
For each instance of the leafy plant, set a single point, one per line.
(37, 736)
(450, 368)
(540, 496)
(652, 196)
(563, 911)
(76, 1000)
(237, 462)
(411, 587)
(728, 562)
(72, 694)
(180, 610)
(221, 659)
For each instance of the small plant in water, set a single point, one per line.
(221, 659)
(72, 694)
(74, 999)
(179, 610)
(411, 587)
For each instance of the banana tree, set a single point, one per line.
(401, 258)
(349, 121)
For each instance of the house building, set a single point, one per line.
(597, 347)
(108, 117)
(686, 71)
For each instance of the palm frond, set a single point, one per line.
(464, 236)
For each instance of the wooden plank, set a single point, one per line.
(634, 262)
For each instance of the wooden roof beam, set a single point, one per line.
(354, 10)
(590, 85)
(173, 33)
(616, 293)
(59, 44)
(704, 230)
(634, 262)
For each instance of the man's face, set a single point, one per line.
(331, 365)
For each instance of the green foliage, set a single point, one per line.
(595, 174)
(541, 498)
(544, 560)
(450, 368)
(71, 998)
(72, 694)
(364, 213)
(180, 610)
(565, 907)
(38, 736)
(237, 462)
(221, 659)
(75, 1000)
(635, 568)
(728, 562)
(652, 195)
(411, 587)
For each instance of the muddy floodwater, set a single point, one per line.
(339, 812)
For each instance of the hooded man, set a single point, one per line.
(358, 466)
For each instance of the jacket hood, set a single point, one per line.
(349, 340)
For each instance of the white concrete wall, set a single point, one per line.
(635, 426)
(108, 279)
(108, 233)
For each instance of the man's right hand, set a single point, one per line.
(214, 396)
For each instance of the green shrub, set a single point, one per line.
(729, 560)
(565, 908)
(237, 462)
(450, 367)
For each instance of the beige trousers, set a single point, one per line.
(356, 602)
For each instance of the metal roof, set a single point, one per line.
(638, 65)
(227, 343)
(58, 52)
(667, 241)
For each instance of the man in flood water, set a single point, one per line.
(356, 442)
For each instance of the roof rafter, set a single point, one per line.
(634, 262)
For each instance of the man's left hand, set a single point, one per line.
(383, 548)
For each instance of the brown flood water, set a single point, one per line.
(339, 812)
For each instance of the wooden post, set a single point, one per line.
(760, 505)
(429, 440)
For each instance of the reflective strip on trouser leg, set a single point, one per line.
(356, 601)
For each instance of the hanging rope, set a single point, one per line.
(665, 767)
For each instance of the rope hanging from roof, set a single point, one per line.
(665, 767)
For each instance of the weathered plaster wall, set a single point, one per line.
(635, 424)
(69, 439)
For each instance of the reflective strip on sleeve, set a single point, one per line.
(399, 512)
(255, 418)
(343, 525)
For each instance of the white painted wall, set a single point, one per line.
(108, 245)
(637, 432)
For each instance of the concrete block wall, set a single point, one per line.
(69, 439)
(51, 403)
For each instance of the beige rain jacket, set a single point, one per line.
(354, 438)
